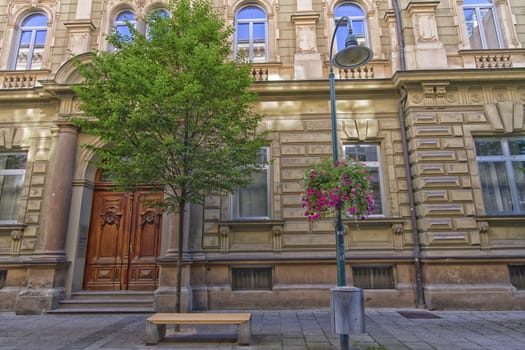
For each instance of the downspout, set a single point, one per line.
(400, 38)
(406, 160)
(413, 219)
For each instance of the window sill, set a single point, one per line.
(251, 222)
(374, 222)
(518, 219)
(11, 227)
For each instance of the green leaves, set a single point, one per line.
(171, 108)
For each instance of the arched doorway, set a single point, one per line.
(124, 239)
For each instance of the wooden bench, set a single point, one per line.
(156, 324)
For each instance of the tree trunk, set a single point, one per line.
(182, 207)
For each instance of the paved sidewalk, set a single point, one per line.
(274, 330)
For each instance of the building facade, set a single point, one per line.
(437, 115)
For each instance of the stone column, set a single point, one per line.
(60, 189)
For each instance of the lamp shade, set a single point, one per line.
(352, 57)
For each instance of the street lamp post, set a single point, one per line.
(352, 56)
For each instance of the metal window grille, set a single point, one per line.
(373, 277)
(517, 276)
(252, 278)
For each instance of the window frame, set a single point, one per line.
(251, 41)
(374, 165)
(368, 274)
(517, 275)
(507, 158)
(235, 204)
(32, 45)
(477, 8)
(116, 22)
(362, 39)
(236, 286)
(14, 172)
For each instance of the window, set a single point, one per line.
(251, 34)
(501, 165)
(482, 25)
(12, 170)
(358, 24)
(252, 278)
(31, 42)
(121, 24)
(252, 201)
(373, 277)
(154, 15)
(368, 155)
(517, 276)
(3, 277)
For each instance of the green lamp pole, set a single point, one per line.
(352, 56)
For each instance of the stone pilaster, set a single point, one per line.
(60, 185)
(428, 51)
(307, 61)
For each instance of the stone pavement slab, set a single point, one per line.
(386, 329)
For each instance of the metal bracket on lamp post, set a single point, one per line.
(352, 56)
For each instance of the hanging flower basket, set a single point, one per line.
(328, 186)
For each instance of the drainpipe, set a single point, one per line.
(400, 38)
(413, 220)
(406, 160)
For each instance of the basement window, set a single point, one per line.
(517, 276)
(252, 278)
(3, 276)
(373, 277)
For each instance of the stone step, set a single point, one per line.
(106, 302)
(100, 303)
(104, 310)
(90, 295)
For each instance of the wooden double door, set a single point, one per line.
(124, 241)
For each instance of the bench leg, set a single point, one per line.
(154, 333)
(244, 333)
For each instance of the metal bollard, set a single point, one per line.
(348, 310)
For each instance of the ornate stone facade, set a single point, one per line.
(423, 101)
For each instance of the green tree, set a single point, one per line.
(173, 110)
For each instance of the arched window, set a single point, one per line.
(160, 13)
(30, 45)
(251, 34)
(358, 23)
(156, 14)
(120, 25)
(482, 24)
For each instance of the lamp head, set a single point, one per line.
(353, 55)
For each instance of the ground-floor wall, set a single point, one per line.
(306, 284)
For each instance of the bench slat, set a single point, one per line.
(199, 318)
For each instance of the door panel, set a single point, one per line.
(144, 243)
(124, 241)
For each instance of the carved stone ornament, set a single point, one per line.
(224, 230)
(397, 229)
(483, 227)
(16, 235)
(277, 230)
